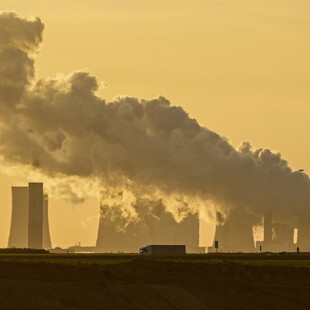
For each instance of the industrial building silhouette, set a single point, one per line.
(233, 235)
(237, 236)
(29, 222)
(277, 236)
(153, 225)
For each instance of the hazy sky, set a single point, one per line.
(241, 68)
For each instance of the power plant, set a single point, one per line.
(154, 225)
(277, 236)
(29, 223)
(233, 236)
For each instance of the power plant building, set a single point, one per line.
(233, 236)
(154, 225)
(29, 223)
(277, 236)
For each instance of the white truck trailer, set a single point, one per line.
(156, 249)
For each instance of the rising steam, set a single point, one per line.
(61, 128)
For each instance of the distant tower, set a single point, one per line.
(19, 223)
(35, 216)
(268, 229)
(46, 231)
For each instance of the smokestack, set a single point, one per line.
(19, 222)
(47, 244)
(35, 216)
(268, 228)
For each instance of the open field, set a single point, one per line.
(127, 281)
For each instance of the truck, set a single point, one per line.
(156, 249)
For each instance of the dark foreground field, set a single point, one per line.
(130, 282)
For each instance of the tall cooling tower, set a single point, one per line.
(46, 241)
(35, 216)
(235, 236)
(154, 225)
(283, 233)
(303, 240)
(240, 237)
(19, 223)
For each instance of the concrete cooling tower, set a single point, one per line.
(233, 236)
(154, 226)
(29, 223)
(19, 224)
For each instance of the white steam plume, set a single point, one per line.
(61, 128)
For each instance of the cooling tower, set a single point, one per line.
(154, 225)
(283, 234)
(35, 216)
(221, 234)
(304, 234)
(234, 236)
(19, 222)
(46, 241)
(240, 237)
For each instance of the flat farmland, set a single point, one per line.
(128, 281)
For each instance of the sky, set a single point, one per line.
(241, 68)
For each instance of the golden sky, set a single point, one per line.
(241, 68)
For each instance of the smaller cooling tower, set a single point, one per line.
(283, 234)
(234, 236)
(19, 222)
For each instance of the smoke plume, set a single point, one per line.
(61, 128)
